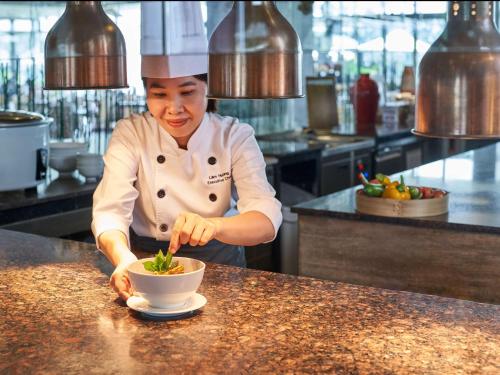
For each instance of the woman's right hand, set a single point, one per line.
(114, 245)
(119, 280)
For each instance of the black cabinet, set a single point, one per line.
(335, 174)
(339, 172)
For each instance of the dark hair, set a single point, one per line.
(212, 103)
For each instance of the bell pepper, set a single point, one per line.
(403, 189)
(372, 190)
(392, 192)
(415, 192)
(383, 179)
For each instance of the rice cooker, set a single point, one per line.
(24, 148)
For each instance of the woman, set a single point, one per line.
(172, 176)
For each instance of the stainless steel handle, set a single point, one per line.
(387, 157)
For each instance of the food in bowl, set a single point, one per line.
(166, 290)
(163, 265)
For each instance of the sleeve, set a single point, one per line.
(249, 176)
(114, 197)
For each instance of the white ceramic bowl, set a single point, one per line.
(63, 164)
(63, 155)
(90, 165)
(167, 291)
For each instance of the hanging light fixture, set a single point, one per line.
(254, 53)
(458, 94)
(85, 50)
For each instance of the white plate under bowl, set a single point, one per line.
(139, 304)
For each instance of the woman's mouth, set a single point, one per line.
(177, 123)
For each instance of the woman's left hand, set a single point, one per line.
(193, 229)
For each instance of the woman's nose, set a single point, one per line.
(174, 106)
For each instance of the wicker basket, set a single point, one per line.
(400, 208)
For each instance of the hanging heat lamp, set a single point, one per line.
(458, 94)
(254, 53)
(85, 50)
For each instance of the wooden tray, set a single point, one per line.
(397, 208)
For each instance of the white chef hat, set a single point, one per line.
(173, 39)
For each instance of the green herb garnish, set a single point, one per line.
(161, 263)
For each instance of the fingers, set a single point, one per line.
(197, 234)
(121, 285)
(193, 229)
(174, 237)
(208, 234)
(187, 229)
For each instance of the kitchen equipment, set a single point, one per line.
(401, 208)
(254, 53)
(63, 156)
(24, 139)
(321, 103)
(85, 50)
(90, 165)
(459, 76)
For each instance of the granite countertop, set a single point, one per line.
(60, 316)
(472, 178)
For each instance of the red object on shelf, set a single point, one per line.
(365, 97)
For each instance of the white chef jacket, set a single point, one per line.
(148, 180)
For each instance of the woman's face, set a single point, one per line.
(178, 104)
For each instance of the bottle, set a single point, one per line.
(365, 97)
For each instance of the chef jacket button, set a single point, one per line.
(161, 193)
(212, 197)
(212, 160)
(160, 159)
(163, 227)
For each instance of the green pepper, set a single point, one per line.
(373, 190)
(401, 187)
(415, 193)
(384, 180)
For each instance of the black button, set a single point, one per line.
(164, 227)
(212, 197)
(212, 160)
(161, 193)
(160, 159)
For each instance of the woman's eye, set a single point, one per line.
(158, 94)
(187, 93)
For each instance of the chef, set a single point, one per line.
(180, 177)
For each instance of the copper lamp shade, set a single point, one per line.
(85, 50)
(458, 94)
(254, 53)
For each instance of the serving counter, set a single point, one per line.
(60, 316)
(456, 254)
